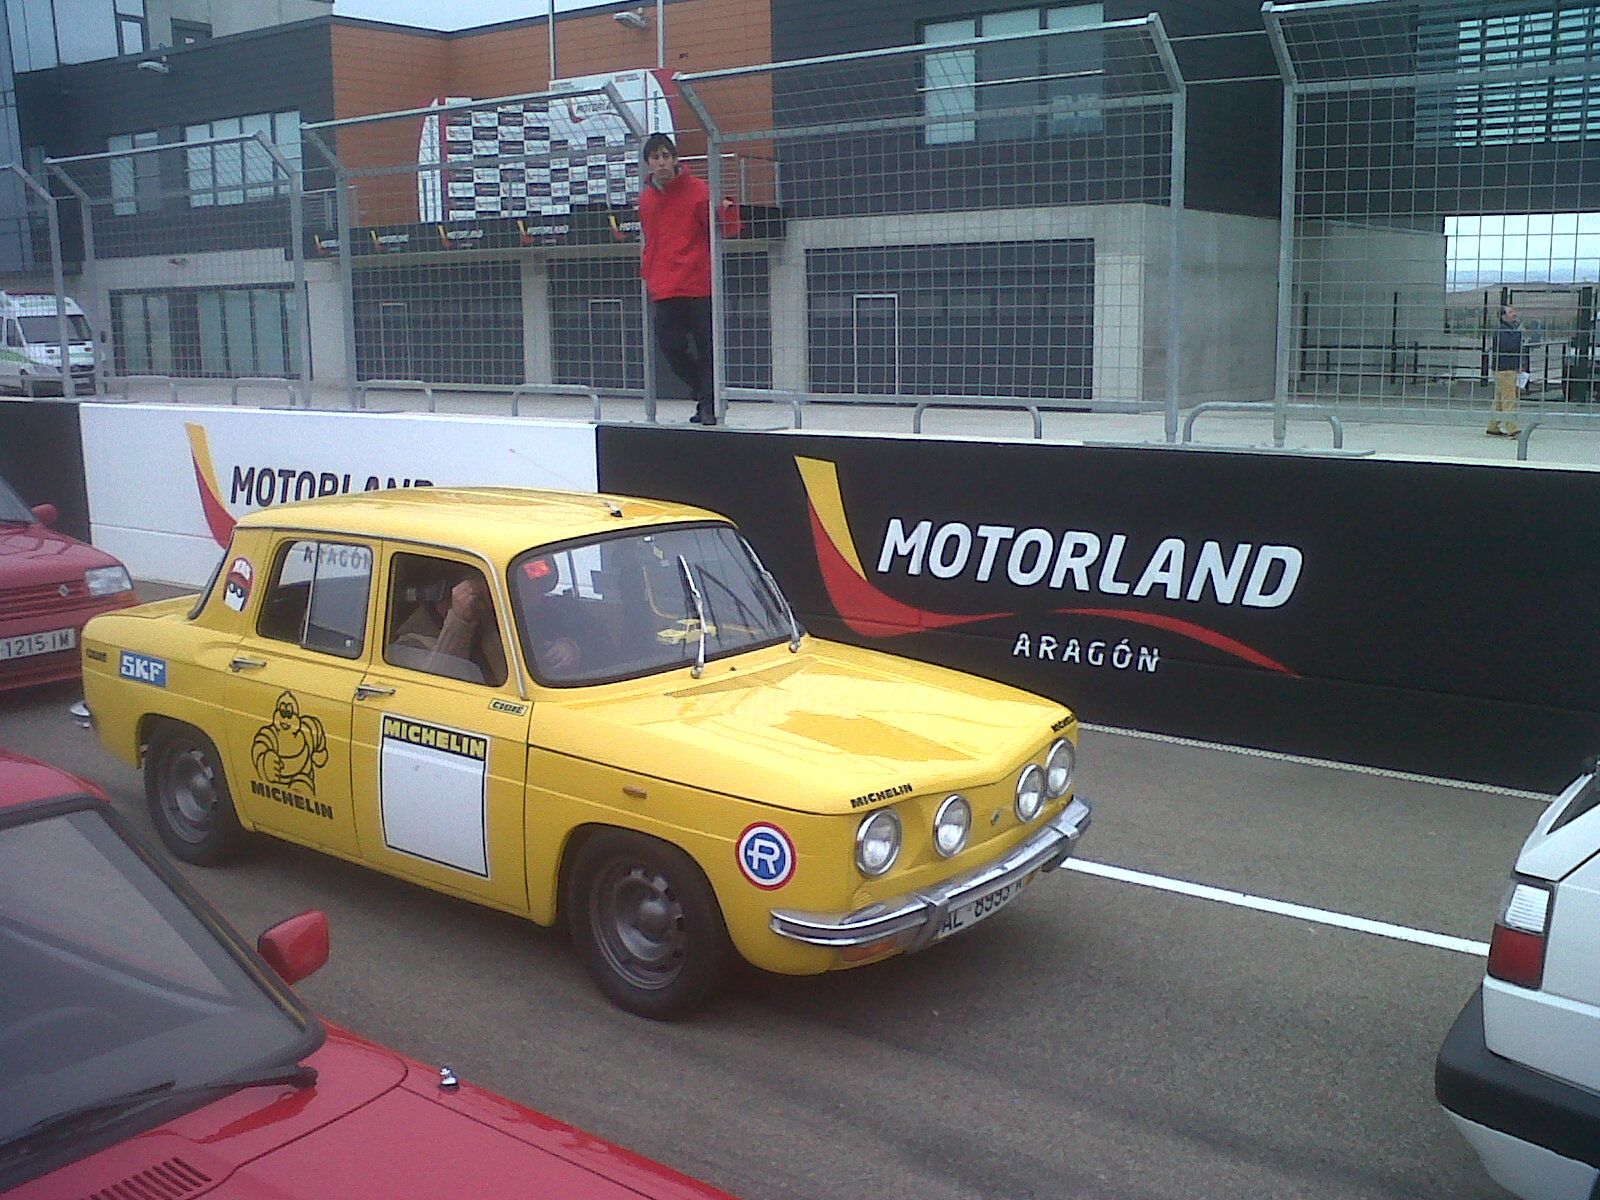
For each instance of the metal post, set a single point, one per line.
(1176, 202)
(86, 207)
(661, 33)
(341, 185)
(719, 344)
(1286, 210)
(297, 234)
(551, 18)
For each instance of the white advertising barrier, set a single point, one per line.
(167, 482)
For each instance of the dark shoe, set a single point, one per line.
(696, 419)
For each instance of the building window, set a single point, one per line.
(135, 179)
(1003, 92)
(1502, 112)
(187, 33)
(131, 28)
(234, 172)
(216, 333)
(32, 25)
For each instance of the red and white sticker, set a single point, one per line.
(766, 856)
(236, 587)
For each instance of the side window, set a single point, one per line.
(318, 597)
(441, 620)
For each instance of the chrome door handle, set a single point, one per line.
(366, 691)
(247, 664)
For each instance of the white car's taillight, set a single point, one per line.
(1516, 949)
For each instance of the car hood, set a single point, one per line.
(375, 1127)
(32, 554)
(811, 731)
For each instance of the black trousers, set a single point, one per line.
(683, 332)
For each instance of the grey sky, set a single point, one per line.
(452, 14)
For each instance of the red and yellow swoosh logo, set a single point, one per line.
(218, 519)
(868, 611)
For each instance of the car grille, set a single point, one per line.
(41, 599)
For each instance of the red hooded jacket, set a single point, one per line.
(676, 221)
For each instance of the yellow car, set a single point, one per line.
(595, 709)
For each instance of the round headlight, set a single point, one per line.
(1058, 767)
(877, 843)
(1030, 792)
(951, 825)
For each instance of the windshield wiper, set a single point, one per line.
(87, 1116)
(700, 615)
(766, 576)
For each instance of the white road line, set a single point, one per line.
(1321, 916)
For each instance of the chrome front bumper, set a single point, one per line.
(915, 917)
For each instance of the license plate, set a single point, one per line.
(981, 908)
(47, 642)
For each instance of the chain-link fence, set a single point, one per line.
(1441, 225)
(983, 217)
(46, 346)
(490, 244)
(193, 262)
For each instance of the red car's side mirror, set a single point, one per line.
(297, 947)
(47, 514)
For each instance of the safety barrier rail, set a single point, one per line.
(1309, 411)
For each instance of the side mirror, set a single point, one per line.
(297, 947)
(47, 514)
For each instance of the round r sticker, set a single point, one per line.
(766, 856)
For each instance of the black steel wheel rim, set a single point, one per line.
(638, 924)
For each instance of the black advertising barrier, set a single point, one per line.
(1418, 616)
(41, 457)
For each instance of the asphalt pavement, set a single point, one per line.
(1106, 1036)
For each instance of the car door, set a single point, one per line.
(293, 680)
(440, 741)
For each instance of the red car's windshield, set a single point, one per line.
(12, 510)
(112, 982)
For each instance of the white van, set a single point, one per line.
(30, 344)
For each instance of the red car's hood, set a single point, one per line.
(31, 554)
(374, 1127)
(23, 779)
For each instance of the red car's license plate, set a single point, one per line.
(47, 642)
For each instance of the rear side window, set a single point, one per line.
(1583, 802)
(318, 596)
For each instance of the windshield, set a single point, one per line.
(112, 982)
(48, 329)
(619, 607)
(12, 509)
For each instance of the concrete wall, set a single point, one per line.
(1228, 307)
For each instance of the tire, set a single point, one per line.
(187, 794)
(646, 924)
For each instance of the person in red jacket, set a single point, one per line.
(675, 218)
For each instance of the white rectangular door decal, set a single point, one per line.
(431, 784)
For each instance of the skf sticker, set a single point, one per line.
(236, 587)
(508, 706)
(143, 668)
(766, 856)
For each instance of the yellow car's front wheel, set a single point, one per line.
(646, 924)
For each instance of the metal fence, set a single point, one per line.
(192, 259)
(1440, 165)
(984, 217)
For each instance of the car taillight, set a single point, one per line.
(1516, 949)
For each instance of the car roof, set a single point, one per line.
(497, 521)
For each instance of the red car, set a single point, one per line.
(149, 1052)
(50, 585)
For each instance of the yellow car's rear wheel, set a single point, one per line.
(188, 797)
(646, 924)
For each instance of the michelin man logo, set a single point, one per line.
(289, 748)
(236, 587)
(766, 856)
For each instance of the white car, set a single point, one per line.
(1519, 1072)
